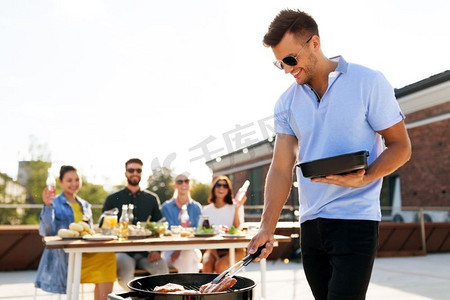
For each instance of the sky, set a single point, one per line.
(176, 83)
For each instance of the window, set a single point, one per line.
(255, 190)
(387, 193)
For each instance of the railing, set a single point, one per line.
(36, 206)
(409, 214)
(15, 213)
(254, 212)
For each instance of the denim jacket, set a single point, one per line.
(52, 271)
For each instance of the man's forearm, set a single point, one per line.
(390, 160)
(398, 152)
(278, 186)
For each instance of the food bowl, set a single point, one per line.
(338, 165)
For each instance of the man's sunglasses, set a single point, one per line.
(290, 60)
(224, 185)
(181, 181)
(131, 170)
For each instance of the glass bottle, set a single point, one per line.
(130, 213)
(184, 218)
(123, 223)
(204, 222)
(51, 183)
(241, 192)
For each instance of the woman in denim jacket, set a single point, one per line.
(58, 213)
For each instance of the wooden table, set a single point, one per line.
(75, 249)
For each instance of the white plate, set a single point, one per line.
(228, 235)
(100, 237)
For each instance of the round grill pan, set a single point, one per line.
(143, 287)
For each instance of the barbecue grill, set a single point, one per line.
(142, 288)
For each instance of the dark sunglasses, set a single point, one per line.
(131, 170)
(218, 185)
(290, 60)
(181, 181)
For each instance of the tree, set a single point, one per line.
(32, 175)
(94, 194)
(200, 192)
(161, 183)
(10, 193)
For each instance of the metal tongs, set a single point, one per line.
(240, 265)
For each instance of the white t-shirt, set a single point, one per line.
(223, 215)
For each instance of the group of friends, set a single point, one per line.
(103, 269)
(333, 107)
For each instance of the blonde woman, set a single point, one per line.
(186, 261)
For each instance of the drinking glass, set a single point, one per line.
(175, 230)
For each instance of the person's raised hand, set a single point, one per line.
(240, 203)
(48, 196)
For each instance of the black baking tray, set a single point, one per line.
(340, 164)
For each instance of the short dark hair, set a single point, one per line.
(293, 21)
(134, 160)
(64, 170)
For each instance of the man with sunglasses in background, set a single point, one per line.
(146, 207)
(333, 108)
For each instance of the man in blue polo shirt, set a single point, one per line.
(333, 107)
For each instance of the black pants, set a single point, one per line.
(338, 257)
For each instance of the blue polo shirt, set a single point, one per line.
(358, 102)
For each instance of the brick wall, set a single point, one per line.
(425, 179)
(427, 113)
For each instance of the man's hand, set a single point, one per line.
(175, 255)
(353, 179)
(153, 256)
(263, 237)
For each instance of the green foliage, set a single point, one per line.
(6, 196)
(94, 194)
(161, 183)
(200, 192)
(36, 172)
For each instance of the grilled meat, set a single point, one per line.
(168, 288)
(224, 284)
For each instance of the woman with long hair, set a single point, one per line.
(58, 212)
(222, 210)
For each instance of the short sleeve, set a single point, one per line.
(383, 108)
(281, 117)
